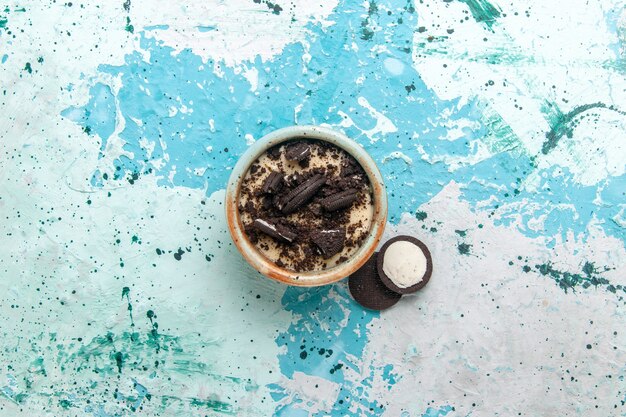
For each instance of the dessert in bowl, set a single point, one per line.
(306, 206)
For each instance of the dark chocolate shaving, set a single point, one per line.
(273, 153)
(339, 200)
(329, 242)
(298, 151)
(275, 230)
(301, 195)
(273, 183)
(267, 202)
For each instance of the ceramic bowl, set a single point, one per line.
(310, 278)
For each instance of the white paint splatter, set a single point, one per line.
(242, 29)
(383, 125)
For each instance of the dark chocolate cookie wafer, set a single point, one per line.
(368, 290)
(298, 151)
(275, 230)
(339, 200)
(273, 183)
(329, 242)
(301, 194)
(421, 281)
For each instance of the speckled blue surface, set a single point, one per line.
(500, 144)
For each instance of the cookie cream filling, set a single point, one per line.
(404, 263)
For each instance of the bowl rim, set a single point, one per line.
(309, 278)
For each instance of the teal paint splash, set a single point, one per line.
(206, 28)
(464, 248)
(325, 351)
(154, 337)
(389, 376)
(119, 361)
(66, 404)
(369, 23)
(438, 412)
(129, 28)
(588, 277)
(98, 371)
(564, 124)
(134, 402)
(99, 115)
(157, 27)
(275, 8)
(420, 215)
(213, 405)
(126, 294)
(506, 55)
(483, 11)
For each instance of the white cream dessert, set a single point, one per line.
(324, 230)
(404, 263)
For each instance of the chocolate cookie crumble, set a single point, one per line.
(306, 205)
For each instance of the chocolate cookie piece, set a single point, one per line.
(339, 200)
(329, 242)
(274, 152)
(275, 230)
(298, 151)
(273, 183)
(300, 195)
(293, 179)
(368, 290)
(404, 264)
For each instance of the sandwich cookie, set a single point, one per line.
(404, 264)
(368, 290)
